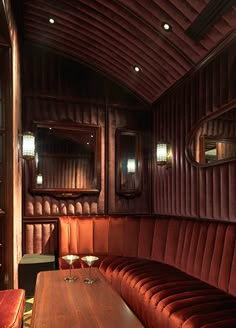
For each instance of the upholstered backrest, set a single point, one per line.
(203, 249)
(106, 236)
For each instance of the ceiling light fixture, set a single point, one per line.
(136, 68)
(167, 27)
(51, 20)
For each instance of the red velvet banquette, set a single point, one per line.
(171, 272)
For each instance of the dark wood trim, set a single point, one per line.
(106, 159)
(129, 193)
(4, 31)
(84, 101)
(70, 192)
(222, 109)
(211, 13)
(227, 41)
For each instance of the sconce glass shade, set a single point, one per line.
(131, 165)
(36, 160)
(28, 145)
(39, 179)
(163, 154)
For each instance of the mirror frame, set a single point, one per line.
(221, 110)
(70, 192)
(128, 193)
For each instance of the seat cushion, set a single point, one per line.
(12, 302)
(163, 296)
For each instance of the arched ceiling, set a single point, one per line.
(113, 35)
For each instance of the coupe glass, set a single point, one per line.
(89, 260)
(70, 259)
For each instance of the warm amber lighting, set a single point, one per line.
(131, 165)
(28, 145)
(39, 179)
(164, 154)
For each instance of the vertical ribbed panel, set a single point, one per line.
(40, 238)
(54, 88)
(202, 249)
(184, 189)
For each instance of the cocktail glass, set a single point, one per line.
(70, 259)
(89, 260)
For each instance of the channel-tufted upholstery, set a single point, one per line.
(171, 272)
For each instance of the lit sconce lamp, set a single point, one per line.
(39, 179)
(37, 160)
(131, 165)
(164, 154)
(28, 146)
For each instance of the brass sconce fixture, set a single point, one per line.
(164, 154)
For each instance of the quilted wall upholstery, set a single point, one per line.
(185, 190)
(203, 249)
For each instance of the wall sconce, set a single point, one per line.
(131, 165)
(39, 179)
(28, 145)
(164, 154)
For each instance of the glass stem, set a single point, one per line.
(89, 272)
(70, 270)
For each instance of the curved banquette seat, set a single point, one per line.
(172, 272)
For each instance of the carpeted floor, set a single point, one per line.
(28, 312)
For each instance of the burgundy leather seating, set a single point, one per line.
(171, 272)
(12, 303)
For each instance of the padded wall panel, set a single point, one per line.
(40, 238)
(146, 232)
(116, 236)
(131, 234)
(57, 89)
(100, 239)
(184, 189)
(159, 240)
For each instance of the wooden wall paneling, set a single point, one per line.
(212, 190)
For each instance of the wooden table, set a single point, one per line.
(63, 304)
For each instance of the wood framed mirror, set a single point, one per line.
(212, 140)
(68, 158)
(128, 163)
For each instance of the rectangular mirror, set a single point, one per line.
(128, 163)
(67, 161)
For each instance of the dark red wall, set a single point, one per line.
(184, 189)
(59, 89)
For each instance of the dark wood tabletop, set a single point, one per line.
(63, 304)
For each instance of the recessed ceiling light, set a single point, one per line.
(136, 68)
(166, 27)
(51, 20)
